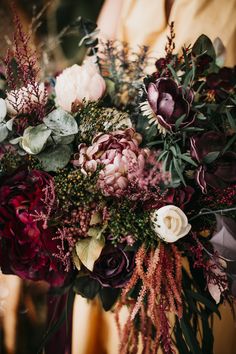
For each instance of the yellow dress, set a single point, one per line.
(144, 22)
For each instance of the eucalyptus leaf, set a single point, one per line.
(61, 122)
(34, 139)
(55, 157)
(3, 109)
(88, 250)
(3, 132)
(9, 123)
(62, 140)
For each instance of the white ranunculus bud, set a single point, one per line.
(170, 223)
(22, 97)
(77, 83)
(3, 109)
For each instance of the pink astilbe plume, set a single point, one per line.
(49, 202)
(67, 242)
(26, 95)
(160, 272)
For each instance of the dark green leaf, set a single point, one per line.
(86, 287)
(179, 121)
(204, 45)
(190, 336)
(230, 142)
(208, 303)
(211, 156)
(180, 342)
(188, 159)
(174, 74)
(231, 120)
(208, 339)
(108, 297)
(178, 170)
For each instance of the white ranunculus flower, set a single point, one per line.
(170, 223)
(3, 109)
(77, 83)
(22, 97)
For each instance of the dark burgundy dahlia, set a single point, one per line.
(26, 248)
(216, 170)
(114, 266)
(169, 102)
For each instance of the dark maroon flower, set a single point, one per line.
(222, 82)
(114, 266)
(179, 196)
(170, 102)
(216, 168)
(26, 248)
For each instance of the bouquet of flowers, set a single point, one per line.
(121, 185)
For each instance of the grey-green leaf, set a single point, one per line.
(61, 122)
(55, 158)
(34, 139)
(3, 132)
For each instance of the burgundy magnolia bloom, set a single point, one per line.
(26, 248)
(222, 169)
(170, 102)
(114, 266)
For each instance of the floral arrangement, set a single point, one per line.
(121, 185)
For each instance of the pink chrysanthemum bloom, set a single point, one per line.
(117, 152)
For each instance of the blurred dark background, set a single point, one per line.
(51, 21)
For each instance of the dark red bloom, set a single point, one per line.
(179, 196)
(215, 170)
(170, 102)
(26, 248)
(114, 267)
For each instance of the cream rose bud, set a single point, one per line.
(21, 98)
(77, 83)
(170, 223)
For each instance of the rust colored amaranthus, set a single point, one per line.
(160, 273)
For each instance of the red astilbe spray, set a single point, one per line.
(22, 73)
(160, 272)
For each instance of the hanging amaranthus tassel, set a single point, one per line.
(160, 273)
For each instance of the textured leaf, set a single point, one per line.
(61, 123)
(88, 250)
(34, 139)
(55, 158)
